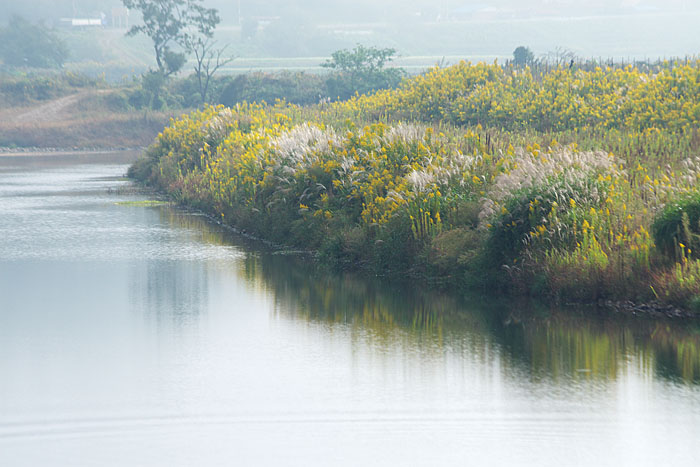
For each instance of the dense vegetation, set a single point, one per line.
(354, 71)
(24, 89)
(111, 113)
(560, 182)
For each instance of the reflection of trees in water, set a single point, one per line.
(546, 343)
(173, 290)
(382, 315)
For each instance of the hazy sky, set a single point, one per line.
(467, 28)
(369, 10)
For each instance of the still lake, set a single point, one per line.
(143, 335)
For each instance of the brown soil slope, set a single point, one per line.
(78, 121)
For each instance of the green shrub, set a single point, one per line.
(361, 70)
(678, 223)
(27, 88)
(395, 247)
(343, 85)
(552, 208)
(451, 252)
(156, 91)
(507, 236)
(295, 88)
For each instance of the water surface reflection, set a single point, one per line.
(140, 334)
(545, 342)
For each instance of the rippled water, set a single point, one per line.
(142, 335)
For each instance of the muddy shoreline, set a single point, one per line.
(39, 151)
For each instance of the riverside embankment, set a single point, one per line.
(576, 185)
(84, 119)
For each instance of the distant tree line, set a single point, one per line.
(357, 71)
(182, 28)
(23, 44)
(51, 10)
(559, 56)
(360, 70)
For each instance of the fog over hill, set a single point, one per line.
(473, 29)
(450, 10)
(370, 11)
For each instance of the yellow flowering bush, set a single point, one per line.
(559, 99)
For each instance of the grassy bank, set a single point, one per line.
(571, 184)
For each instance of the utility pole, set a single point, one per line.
(444, 10)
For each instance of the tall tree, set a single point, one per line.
(523, 56)
(361, 70)
(171, 25)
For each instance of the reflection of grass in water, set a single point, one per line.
(547, 342)
(374, 311)
(578, 348)
(552, 344)
(207, 230)
(677, 355)
(145, 202)
(569, 344)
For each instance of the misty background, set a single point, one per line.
(300, 34)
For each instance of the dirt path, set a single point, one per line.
(51, 111)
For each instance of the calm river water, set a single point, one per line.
(140, 335)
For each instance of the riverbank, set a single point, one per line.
(586, 203)
(652, 309)
(31, 152)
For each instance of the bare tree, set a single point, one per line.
(208, 60)
(560, 56)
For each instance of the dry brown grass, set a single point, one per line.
(108, 131)
(79, 121)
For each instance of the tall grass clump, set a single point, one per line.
(676, 229)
